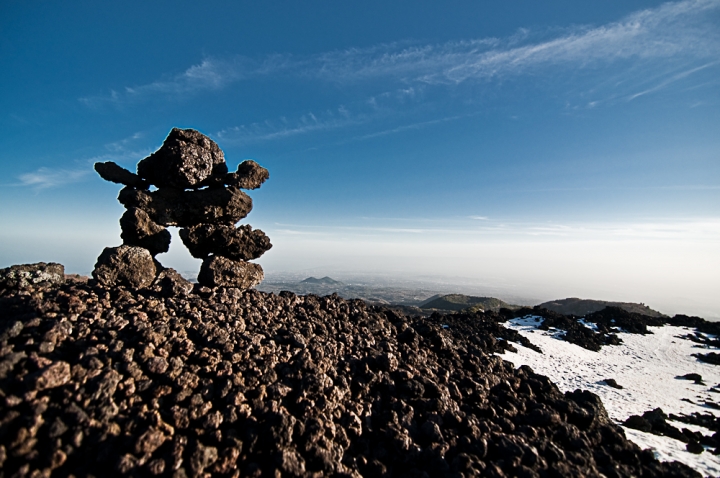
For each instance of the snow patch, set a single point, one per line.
(644, 365)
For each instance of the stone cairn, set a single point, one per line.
(196, 192)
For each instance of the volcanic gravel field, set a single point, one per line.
(223, 382)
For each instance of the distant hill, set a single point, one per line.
(581, 307)
(324, 281)
(462, 302)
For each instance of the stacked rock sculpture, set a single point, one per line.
(194, 191)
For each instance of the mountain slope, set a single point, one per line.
(461, 302)
(323, 281)
(581, 307)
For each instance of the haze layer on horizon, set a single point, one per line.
(551, 150)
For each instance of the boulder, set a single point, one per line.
(170, 283)
(114, 173)
(249, 175)
(187, 159)
(139, 230)
(240, 244)
(128, 266)
(39, 274)
(175, 207)
(218, 271)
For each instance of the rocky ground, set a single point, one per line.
(97, 382)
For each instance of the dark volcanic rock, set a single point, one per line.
(38, 274)
(139, 230)
(655, 422)
(240, 244)
(629, 322)
(574, 331)
(99, 382)
(249, 175)
(170, 284)
(187, 159)
(195, 192)
(114, 173)
(125, 266)
(695, 377)
(710, 357)
(220, 271)
(175, 207)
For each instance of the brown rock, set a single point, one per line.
(202, 457)
(249, 175)
(187, 159)
(139, 230)
(240, 244)
(157, 365)
(127, 266)
(114, 173)
(25, 275)
(53, 376)
(170, 283)
(175, 207)
(149, 441)
(218, 271)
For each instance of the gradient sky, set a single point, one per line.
(552, 149)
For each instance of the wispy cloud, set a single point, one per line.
(672, 79)
(122, 144)
(47, 177)
(209, 74)
(283, 128)
(44, 178)
(685, 29)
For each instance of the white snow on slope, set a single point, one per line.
(645, 365)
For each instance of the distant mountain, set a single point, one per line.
(582, 307)
(324, 281)
(462, 302)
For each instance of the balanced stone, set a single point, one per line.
(139, 230)
(187, 159)
(249, 175)
(114, 173)
(195, 192)
(175, 207)
(241, 243)
(218, 271)
(125, 266)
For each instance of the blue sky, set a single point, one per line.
(560, 148)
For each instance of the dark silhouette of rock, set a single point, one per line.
(187, 162)
(114, 173)
(638, 423)
(187, 159)
(139, 230)
(655, 422)
(218, 271)
(249, 175)
(711, 358)
(694, 447)
(38, 274)
(695, 377)
(240, 244)
(612, 383)
(127, 266)
(176, 207)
